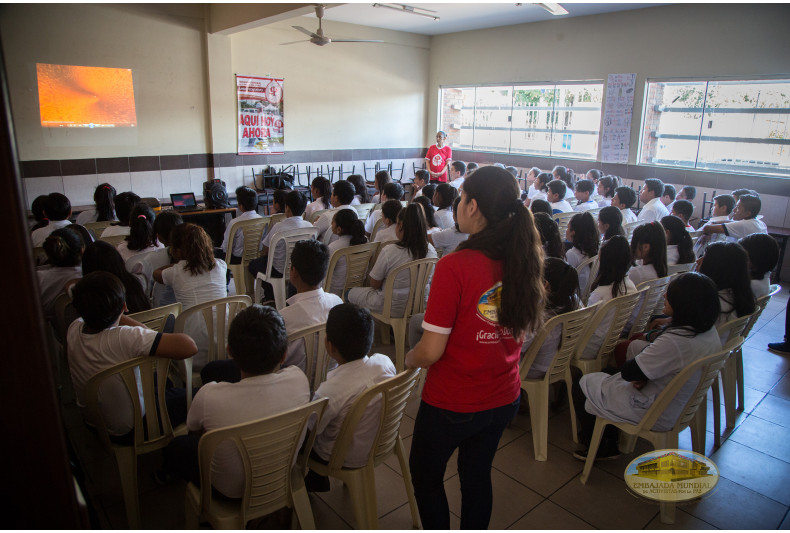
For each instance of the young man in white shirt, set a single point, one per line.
(555, 196)
(744, 221)
(57, 209)
(343, 193)
(391, 191)
(668, 197)
(421, 179)
(683, 209)
(457, 173)
(624, 198)
(654, 210)
(583, 193)
(247, 200)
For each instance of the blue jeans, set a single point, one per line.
(437, 433)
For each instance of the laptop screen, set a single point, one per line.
(183, 199)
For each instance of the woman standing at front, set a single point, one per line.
(438, 159)
(484, 297)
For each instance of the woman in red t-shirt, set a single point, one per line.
(438, 157)
(484, 297)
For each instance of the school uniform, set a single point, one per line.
(126, 253)
(457, 183)
(447, 240)
(278, 260)
(238, 236)
(416, 194)
(540, 195)
(370, 223)
(87, 216)
(51, 280)
(561, 207)
(356, 200)
(672, 254)
(574, 257)
(305, 309)
(444, 218)
(628, 216)
(40, 235)
(546, 352)
(601, 295)
(602, 201)
(569, 194)
(531, 191)
(581, 207)
(337, 282)
(738, 229)
(762, 286)
(640, 273)
(316, 205)
(390, 233)
(653, 211)
(114, 231)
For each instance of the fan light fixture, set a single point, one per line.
(413, 10)
(554, 9)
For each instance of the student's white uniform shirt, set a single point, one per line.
(585, 206)
(448, 240)
(457, 183)
(51, 280)
(614, 398)
(653, 211)
(238, 237)
(373, 217)
(641, 273)
(89, 215)
(218, 405)
(628, 216)
(390, 233)
(312, 207)
(574, 257)
(356, 200)
(337, 282)
(113, 231)
(531, 191)
(603, 294)
(305, 309)
(342, 386)
(603, 201)
(761, 287)
(284, 225)
(540, 365)
(561, 207)
(40, 235)
(540, 195)
(417, 194)
(90, 353)
(672, 254)
(324, 224)
(738, 229)
(569, 194)
(444, 218)
(126, 253)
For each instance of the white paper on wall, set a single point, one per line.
(616, 137)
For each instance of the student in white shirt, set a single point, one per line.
(583, 193)
(447, 240)
(680, 247)
(104, 198)
(342, 196)
(349, 337)
(457, 173)
(144, 265)
(64, 249)
(624, 198)
(555, 195)
(688, 192)
(744, 220)
(350, 232)
(727, 264)
(380, 179)
(421, 179)
(532, 177)
(653, 210)
(566, 176)
(321, 190)
(429, 211)
(361, 195)
(57, 209)
(763, 253)
(723, 205)
(124, 203)
(391, 191)
(141, 238)
(541, 188)
(606, 188)
(683, 209)
(389, 217)
(668, 197)
(443, 199)
(100, 256)
(582, 233)
(610, 222)
(649, 251)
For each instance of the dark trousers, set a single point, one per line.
(585, 420)
(259, 266)
(437, 433)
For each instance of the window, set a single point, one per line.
(718, 125)
(552, 120)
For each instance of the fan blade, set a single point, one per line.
(355, 41)
(305, 31)
(295, 42)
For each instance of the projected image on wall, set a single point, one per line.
(85, 97)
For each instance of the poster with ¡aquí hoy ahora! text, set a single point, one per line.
(260, 115)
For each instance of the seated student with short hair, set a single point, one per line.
(555, 196)
(104, 337)
(723, 205)
(391, 191)
(654, 209)
(763, 253)
(421, 179)
(737, 193)
(342, 195)
(471, 167)
(447, 240)
(668, 196)
(57, 209)
(443, 199)
(683, 209)
(624, 198)
(689, 192)
(428, 191)
(257, 342)
(744, 220)
(389, 216)
(102, 256)
(247, 200)
(124, 203)
(349, 337)
(37, 208)
(540, 206)
(457, 173)
(278, 201)
(583, 193)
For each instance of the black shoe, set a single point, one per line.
(316, 483)
(782, 348)
(605, 453)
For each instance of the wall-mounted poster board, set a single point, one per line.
(260, 112)
(616, 137)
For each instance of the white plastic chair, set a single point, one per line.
(592, 263)
(357, 265)
(630, 227)
(679, 268)
(252, 234)
(653, 299)
(155, 318)
(316, 214)
(144, 264)
(562, 220)
(289, 238)
(316, 356)
(363, 210)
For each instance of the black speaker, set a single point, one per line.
(215, 194)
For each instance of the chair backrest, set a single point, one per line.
(376, 227)
(592, 263)
(316, 356)
(314, 216)
(39, 256)
(252, 231)
(620, 310)
(760, 306)
(98, 227)
(275, 218)
(677, 269)
(630, 227)
(394, 393)
(378, 251)
(734, 328)
(419, 271)
(224, 309)
(653, 297)
(709, 368)
(594, 212)
(62, 301)
(267, 448)
(114, 240)
(572, 324)
(155, 318)
(290, 238)
(357, 264)
(158, 430)
(363, 210)
(562, 220)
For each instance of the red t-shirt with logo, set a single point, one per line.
(479, 368)
(437, 159)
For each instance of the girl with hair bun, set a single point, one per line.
(141, 237)
(104, 198)
(64, 249)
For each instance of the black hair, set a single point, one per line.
(534, 170)
(141, 227)
(684, 207)
(727, 264)
(563, 279)
(456, 203)
(737, 193)
(37, 207)
(349, 224)
(257, 339)
(459, 166)
(324, 188)
(669, 190)
(472, 166)
(310, 258)
(596, 174)
(679, 236)
(422, 174)
(509, 227)
(690, 191)
(585, 185)
(550, 238)
(513, 170)
(360, 187)
(296, 202)
(614, 261)
(164, 224)
(344, 191)
(586, 238)
(390, 210)
(57, 206)
(542, 181)
(84, 234)
(653, 234)
(726, 200)
(695, 302)
(609, 184)
(614, 218)
(63, 248)
(540, 206)
(278, 200)
(566, 175)
(751, 203)
(104, 198)
(248, 198)
(380, 179)
(393, 190)
(656, 186)
(350, 330)
(414, 238)
(124, 203)
(444, 196)
(626, 195)
(427, 211)
(101, 256)
(558, 187)
(428, 191)
(763, 253)
(98, 298)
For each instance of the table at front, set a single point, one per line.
(211, 220)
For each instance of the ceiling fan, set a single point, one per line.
(318, 36)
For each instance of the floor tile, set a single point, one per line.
(517, 460)
(774, 409)
(782, 389)
(683, 520)
(400, 518)
(786, 522)
(406, 426)
(324, 516)
(452, 464)
(754, 470)
(548, 515)
(753, 511)
(765, 437)
(512, 500)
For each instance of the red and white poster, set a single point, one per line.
(260, 115)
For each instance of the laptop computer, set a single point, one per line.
(185, 202)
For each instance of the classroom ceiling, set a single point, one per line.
(454, 17)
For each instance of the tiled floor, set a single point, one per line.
(754, 461)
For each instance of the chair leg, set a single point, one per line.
(728, 388)
(301, 501)
(399, 332)
(739, 376)
(716, 413)
(667, 512)
(127, 468)
(592, 451)
(191, 512)
(362, 487)
(539, 419)
(697, 428)
(404, 469)
(278, 287)
(574, 425)
(626, 442)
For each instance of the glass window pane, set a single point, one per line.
(532, 119)
(577, 119)
(493, 107)
(458, 115)
(673, 112)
